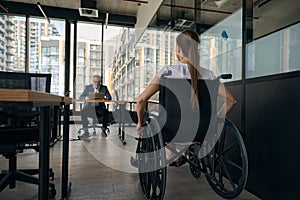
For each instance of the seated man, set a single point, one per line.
(91, 109)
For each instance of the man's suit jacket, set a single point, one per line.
(90, 88)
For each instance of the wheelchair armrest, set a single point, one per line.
(226, 76)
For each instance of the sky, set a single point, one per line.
(85, 30)
(89, 31)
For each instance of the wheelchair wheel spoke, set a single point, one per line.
(228, 148)
(222, 140)
(234, 165)
(220, 174)
(227, 173)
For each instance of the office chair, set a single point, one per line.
(130, 116)
(19, 128)
(16, 133)
(97, 122)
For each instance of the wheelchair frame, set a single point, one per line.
(224, 161)
(227, 176)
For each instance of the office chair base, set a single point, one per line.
(10, 178)
(29, 172)
(86, 135)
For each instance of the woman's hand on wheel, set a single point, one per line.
(139, 129)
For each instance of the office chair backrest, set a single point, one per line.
(16, 80)
(181, 121)
(40, 82)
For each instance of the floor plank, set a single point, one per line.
(99, 169)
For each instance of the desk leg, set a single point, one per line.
(54, 135)
(122, 124)
(44, 154)
(65, 157)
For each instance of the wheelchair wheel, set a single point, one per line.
(193, 158)
(151, 162)
(226, 166)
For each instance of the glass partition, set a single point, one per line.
(221, 47)
(276, 39)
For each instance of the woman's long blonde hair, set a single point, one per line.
(188, 42)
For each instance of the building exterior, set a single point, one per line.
(47, 53)
(51, 60)
(135, 66)
(7, 49)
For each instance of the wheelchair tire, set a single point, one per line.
(151, 162)
(195, 171)
(226, 166)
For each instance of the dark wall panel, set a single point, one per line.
(272, 135)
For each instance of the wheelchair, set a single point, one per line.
(216, 150)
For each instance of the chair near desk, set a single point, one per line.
(14, 140)
(19, 129)
(97, 122)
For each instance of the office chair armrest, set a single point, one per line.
(20, 115)
(22, 119)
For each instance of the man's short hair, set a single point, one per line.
(97, 76)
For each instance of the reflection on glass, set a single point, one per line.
(274, 54)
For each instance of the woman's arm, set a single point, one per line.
(227, 98)
(151, 89)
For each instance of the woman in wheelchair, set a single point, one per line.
(188, 68)
(212, 146)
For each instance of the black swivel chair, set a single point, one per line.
(97, 123)
(19, 130)
(129, 116)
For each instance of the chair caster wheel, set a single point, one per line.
(52, 192)
(51, 174)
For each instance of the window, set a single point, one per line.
(12, 43)
(47, 52)
(275, 53)
(223, 55)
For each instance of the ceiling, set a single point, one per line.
(125, 7)
(208, 13)
(180, 8)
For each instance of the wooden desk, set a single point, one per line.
(44, 101)
(122, 104)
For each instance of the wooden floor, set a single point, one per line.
(99, 169)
